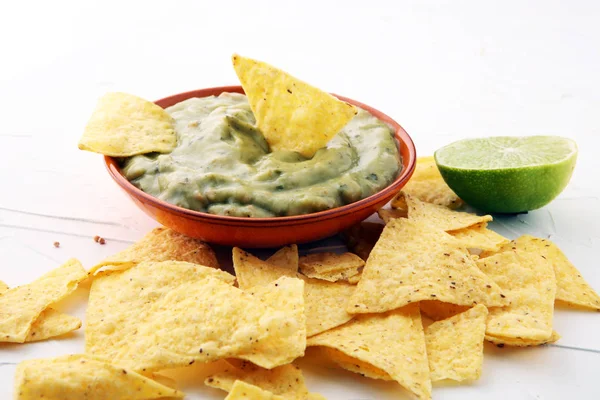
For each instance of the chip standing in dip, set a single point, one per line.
(223, 165)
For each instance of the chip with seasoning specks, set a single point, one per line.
(528, 280)
(49, 324)
(437, 310)
(439, 216)
(290, 113)
(84, 377)
(22, 306)
(571, 288)
(124, 125)
(352, 364)
(148, 317)
(412, 262)
(160, 244)
(331, 267)
(455, 345)
(241, 390)
(286, 257)
(323, 301)
(479, 237)
(427, 184)
(374, 339)
(286, 381)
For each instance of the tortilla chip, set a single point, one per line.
(412, 262)
(291, 114)
(124, 125)
(479, 237)
(437, 310)
(21, 306)
(354, 365)
(393, 342)
(322, 300)
(286, 381)
(160, 244)
(84, 377)
(528, 281)
(361, 238)
(439, 216)
(455, 345)
(164, 315)
(286, 257)
(241, 390)
(503, 341)
(50, 323)
(286, 295)
(331, 267)
(353, 280)
(387, 214)
(571, 287)
(427, 184)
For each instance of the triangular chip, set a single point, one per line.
(323, 301)
(331, 267)
(163, 315)
(479, 237)
(528, 281)
(412, 262)
(286, 257)
(361, 238)
(427, 184)
(455, 345)
(286, 381)
(437, 310)
(571, 287)
(21, 306)
(439, 216)
(50, 323)
(84, 377)
(161, 244)
(393, 342)
(503, 341)
(355, 365)
(124, 125)
(291, 114)
(241, 390)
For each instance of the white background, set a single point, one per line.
(444, 70)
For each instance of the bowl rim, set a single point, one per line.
(115, 172)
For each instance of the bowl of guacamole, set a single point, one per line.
(222, 183)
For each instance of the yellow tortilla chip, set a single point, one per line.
(455, 345)
(437, 310)
(439, 216)
(331, 267)
(163, 315)
(291, 114)
(84, 377)
(427, 184)
(322, 300)
(124, 125)
(412, 262)
(393, 342)
(353, 280)
(50, 323)
(160, 244)
(286, 257)
(361, 238)
(244, 391)
(286, 381)
(387, 214)
(21, 306)
(571, 287)
(479, 237)
(528, 281)
(503, 341)
(355, 365)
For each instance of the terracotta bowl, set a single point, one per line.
(266, 232)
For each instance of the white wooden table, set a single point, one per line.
(444, 70)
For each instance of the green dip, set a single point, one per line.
(222, 164)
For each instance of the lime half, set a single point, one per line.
(508, 174)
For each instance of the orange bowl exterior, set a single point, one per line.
(266, 232)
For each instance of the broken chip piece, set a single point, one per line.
(331, 267)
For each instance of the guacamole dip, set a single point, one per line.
(222, 164)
